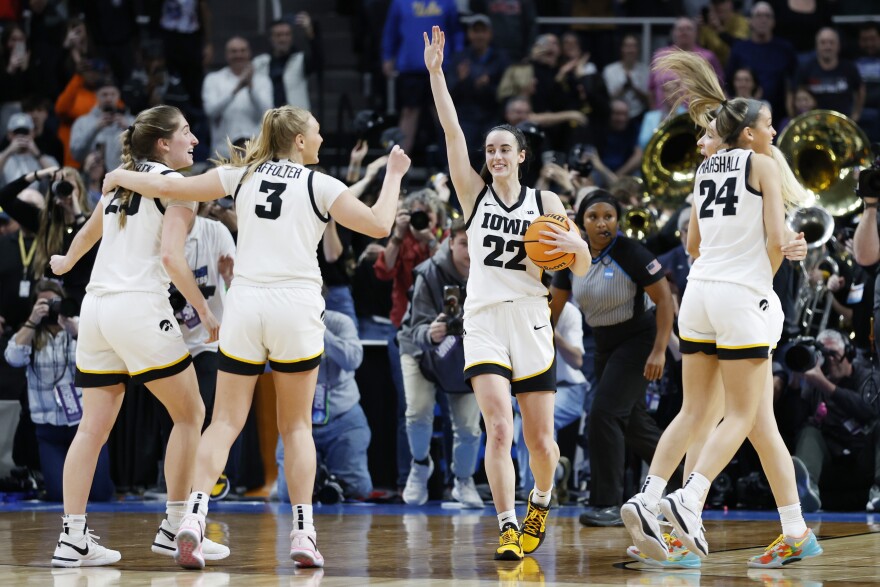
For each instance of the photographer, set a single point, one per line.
(101, 126)
(432, 360)
(46, 344)
(843, 421)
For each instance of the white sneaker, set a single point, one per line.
(641, 522)
(465, 492)
(304, 549)
(416, 490)
(188, 541)
(82, 552)
(687, 520)
(164, 544)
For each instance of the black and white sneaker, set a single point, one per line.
(687, 520)
(641, 522)
(165, 544)
(82, 552)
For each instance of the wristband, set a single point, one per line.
(29, 324)
(867, 205)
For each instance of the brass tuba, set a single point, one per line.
(826, 149)
(638, 223)
(813, 304)
(670, 161)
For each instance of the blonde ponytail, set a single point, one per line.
(793, 193)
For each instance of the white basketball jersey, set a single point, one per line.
(282, 210)
(730, 214)
(130, 258)
(500, 269)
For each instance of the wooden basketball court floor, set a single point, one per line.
(433, 545)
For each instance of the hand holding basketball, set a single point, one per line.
(552, 242)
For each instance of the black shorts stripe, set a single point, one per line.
(84, 379)
(479, 199)
(545, 381)
(321, 217)
(690, 347)
(755, 352)
(296, 366)
(232, 365)
(162, 372)
(484, 369)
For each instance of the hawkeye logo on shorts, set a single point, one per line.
(165, 325)
(764, 304)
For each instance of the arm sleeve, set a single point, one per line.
(326, 190)
(639, 263)
(562, 280)
(341, 342)
(229, 177)
(17, 355)
(27, 215)
(423, 311)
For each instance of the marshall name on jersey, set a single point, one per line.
(730, 214)
(130, 257)
(500, 269)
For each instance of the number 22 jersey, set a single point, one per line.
(282, 210)
(500, 269)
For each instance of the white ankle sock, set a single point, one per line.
(508, 517)
(793, 524)
(197, 504)
(302, 517)
(652, 490)
(74, 524)
(174, 511)
(696, 488)
(541, 498)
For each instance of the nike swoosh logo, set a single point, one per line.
(539, 327)
(82, 551)
(169, 535)
(801, 543)
(313, 542)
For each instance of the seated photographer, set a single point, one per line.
(339, 425)
(101, 126)
(842, 403)
(46, 345)
(55, 224)
(432, 361)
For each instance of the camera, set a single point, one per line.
(804, 354)
(62, 188)
(367, 124)
(419, 220)
(579, 160)
(178, 302)
(453, 310)
(869, 179)
(111, 110)
(66, 307)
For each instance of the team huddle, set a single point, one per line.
(730, 318)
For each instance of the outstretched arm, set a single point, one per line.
(198, 188)
(468, 183)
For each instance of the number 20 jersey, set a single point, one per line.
(500, 269)
(282, 210)
(730, 214)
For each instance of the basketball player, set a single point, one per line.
(730, 318)
(127, 328)
(508, 340)
(274, 307)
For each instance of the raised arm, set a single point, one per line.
(468, 183)
(198, 188)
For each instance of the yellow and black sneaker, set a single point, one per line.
(510, 547)
(534, 526)
(220, 489)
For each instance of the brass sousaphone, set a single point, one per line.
(670, 161)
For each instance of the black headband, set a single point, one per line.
(748, 120)
(597, 197)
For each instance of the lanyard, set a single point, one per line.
(26, 256)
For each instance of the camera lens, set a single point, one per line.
(62, 188)
(801, 358)
(419, 220)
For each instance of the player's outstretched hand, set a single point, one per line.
(795, 250)
(398, 161)
(434, 50)
(60, 264)
(212, 325)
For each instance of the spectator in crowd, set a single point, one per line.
(55, 222)
(684, 37)
(518, 80)
(771, 58)
(339, 425)
(868, 64)
(583, 87)
(45, 136)
(76, 50)
(289, 66)
(18, 75)
(514, 22)
(842, 425)
(334, 253)
(46, 30)
(46, 345)
(99, 129)
(476, 75)
(186, 37)
(235, 97)
(804, 101)
(22, 155)
(720, 27)
(149, 83)
(402, 56)
(544, 58)
(800, 20)
(618, 145)
(432, 361)
(654, 118)
(834, 82)
(627, 79)
(114, 32)
(745, 85)
(78, 99)
(93, 176)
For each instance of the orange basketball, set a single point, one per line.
(538, 252)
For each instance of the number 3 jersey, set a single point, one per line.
(500, 269)
(282, 210)
(130, 257)
(730, 214)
